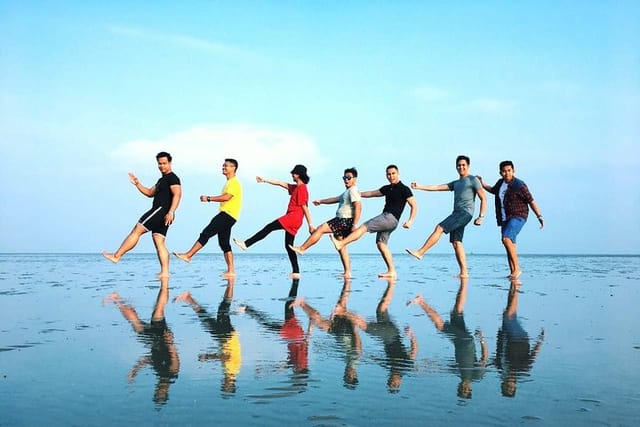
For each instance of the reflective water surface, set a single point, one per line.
(87, 342)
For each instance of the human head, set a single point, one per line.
(229, 168)
(164, 154)
(393, 174)
(164, 162)
(301, 171)
(462, 165)
(234, 162)
(349, 177)
(507, 171)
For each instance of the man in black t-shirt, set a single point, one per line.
(166, 195)
(396, 195)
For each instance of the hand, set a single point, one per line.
(541, 221)
(407, 224)
(316, 203)
(311, 229)
(414, 185)
(478, 220)
(169, 217)
(203, 198)
(133, 179)
(260, 179)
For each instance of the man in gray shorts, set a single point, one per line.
(397, 195)
(465, 189)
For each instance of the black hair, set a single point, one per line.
(234, 162)
(163, 154)
(352, 171)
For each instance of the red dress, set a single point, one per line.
(292, 220)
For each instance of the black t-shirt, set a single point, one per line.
(164, 196)
(395, 198)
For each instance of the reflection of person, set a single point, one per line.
(166, 198)
(230, 204)
(229, 350)
(345, 221)
(396, 195)
(344, 325)
(291, 332)
(398, 359)
(469, 368)
(514, 355)
(156, 335)
(512, 201)
(291, 221)
(465, 189)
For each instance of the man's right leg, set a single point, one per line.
(429, 243)
(128, 243)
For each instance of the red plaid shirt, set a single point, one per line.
(517, 199)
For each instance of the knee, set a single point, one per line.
(507, 241)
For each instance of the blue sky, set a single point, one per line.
(92, 90)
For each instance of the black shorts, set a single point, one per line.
(153, 220)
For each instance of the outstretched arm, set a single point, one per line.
(439, 187)
(147, 191)
(486, 186)
(282, 184)
(372, 193)
(327, 201)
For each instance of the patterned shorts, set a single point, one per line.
(341, 227)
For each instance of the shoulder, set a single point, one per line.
(405, 189)
(172, 178)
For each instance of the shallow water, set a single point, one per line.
(73, 353)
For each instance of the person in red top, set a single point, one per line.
(291, 221)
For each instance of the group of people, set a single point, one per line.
(512, 203)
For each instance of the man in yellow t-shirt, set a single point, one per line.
(230, 204)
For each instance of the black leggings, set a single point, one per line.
(288, 240)
(221, 225)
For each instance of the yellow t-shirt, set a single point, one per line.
(233, 356)
(233, 205)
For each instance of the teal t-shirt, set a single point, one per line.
(464, 193)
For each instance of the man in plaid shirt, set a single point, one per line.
(512, 209)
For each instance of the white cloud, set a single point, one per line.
(201, 149)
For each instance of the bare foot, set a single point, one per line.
(114, 297)
(414, 254)
(111, 257)
(294, 275)
(185, 296)
(297, 249)
(515, 275)
(228, 274)
(240, 244)
(388, 275)
(298, 302)
(336, 243)
(416, 300)
(183, 257)
(345, 275)
(462, 275)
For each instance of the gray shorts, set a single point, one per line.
(454, 225)
(383, 225)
